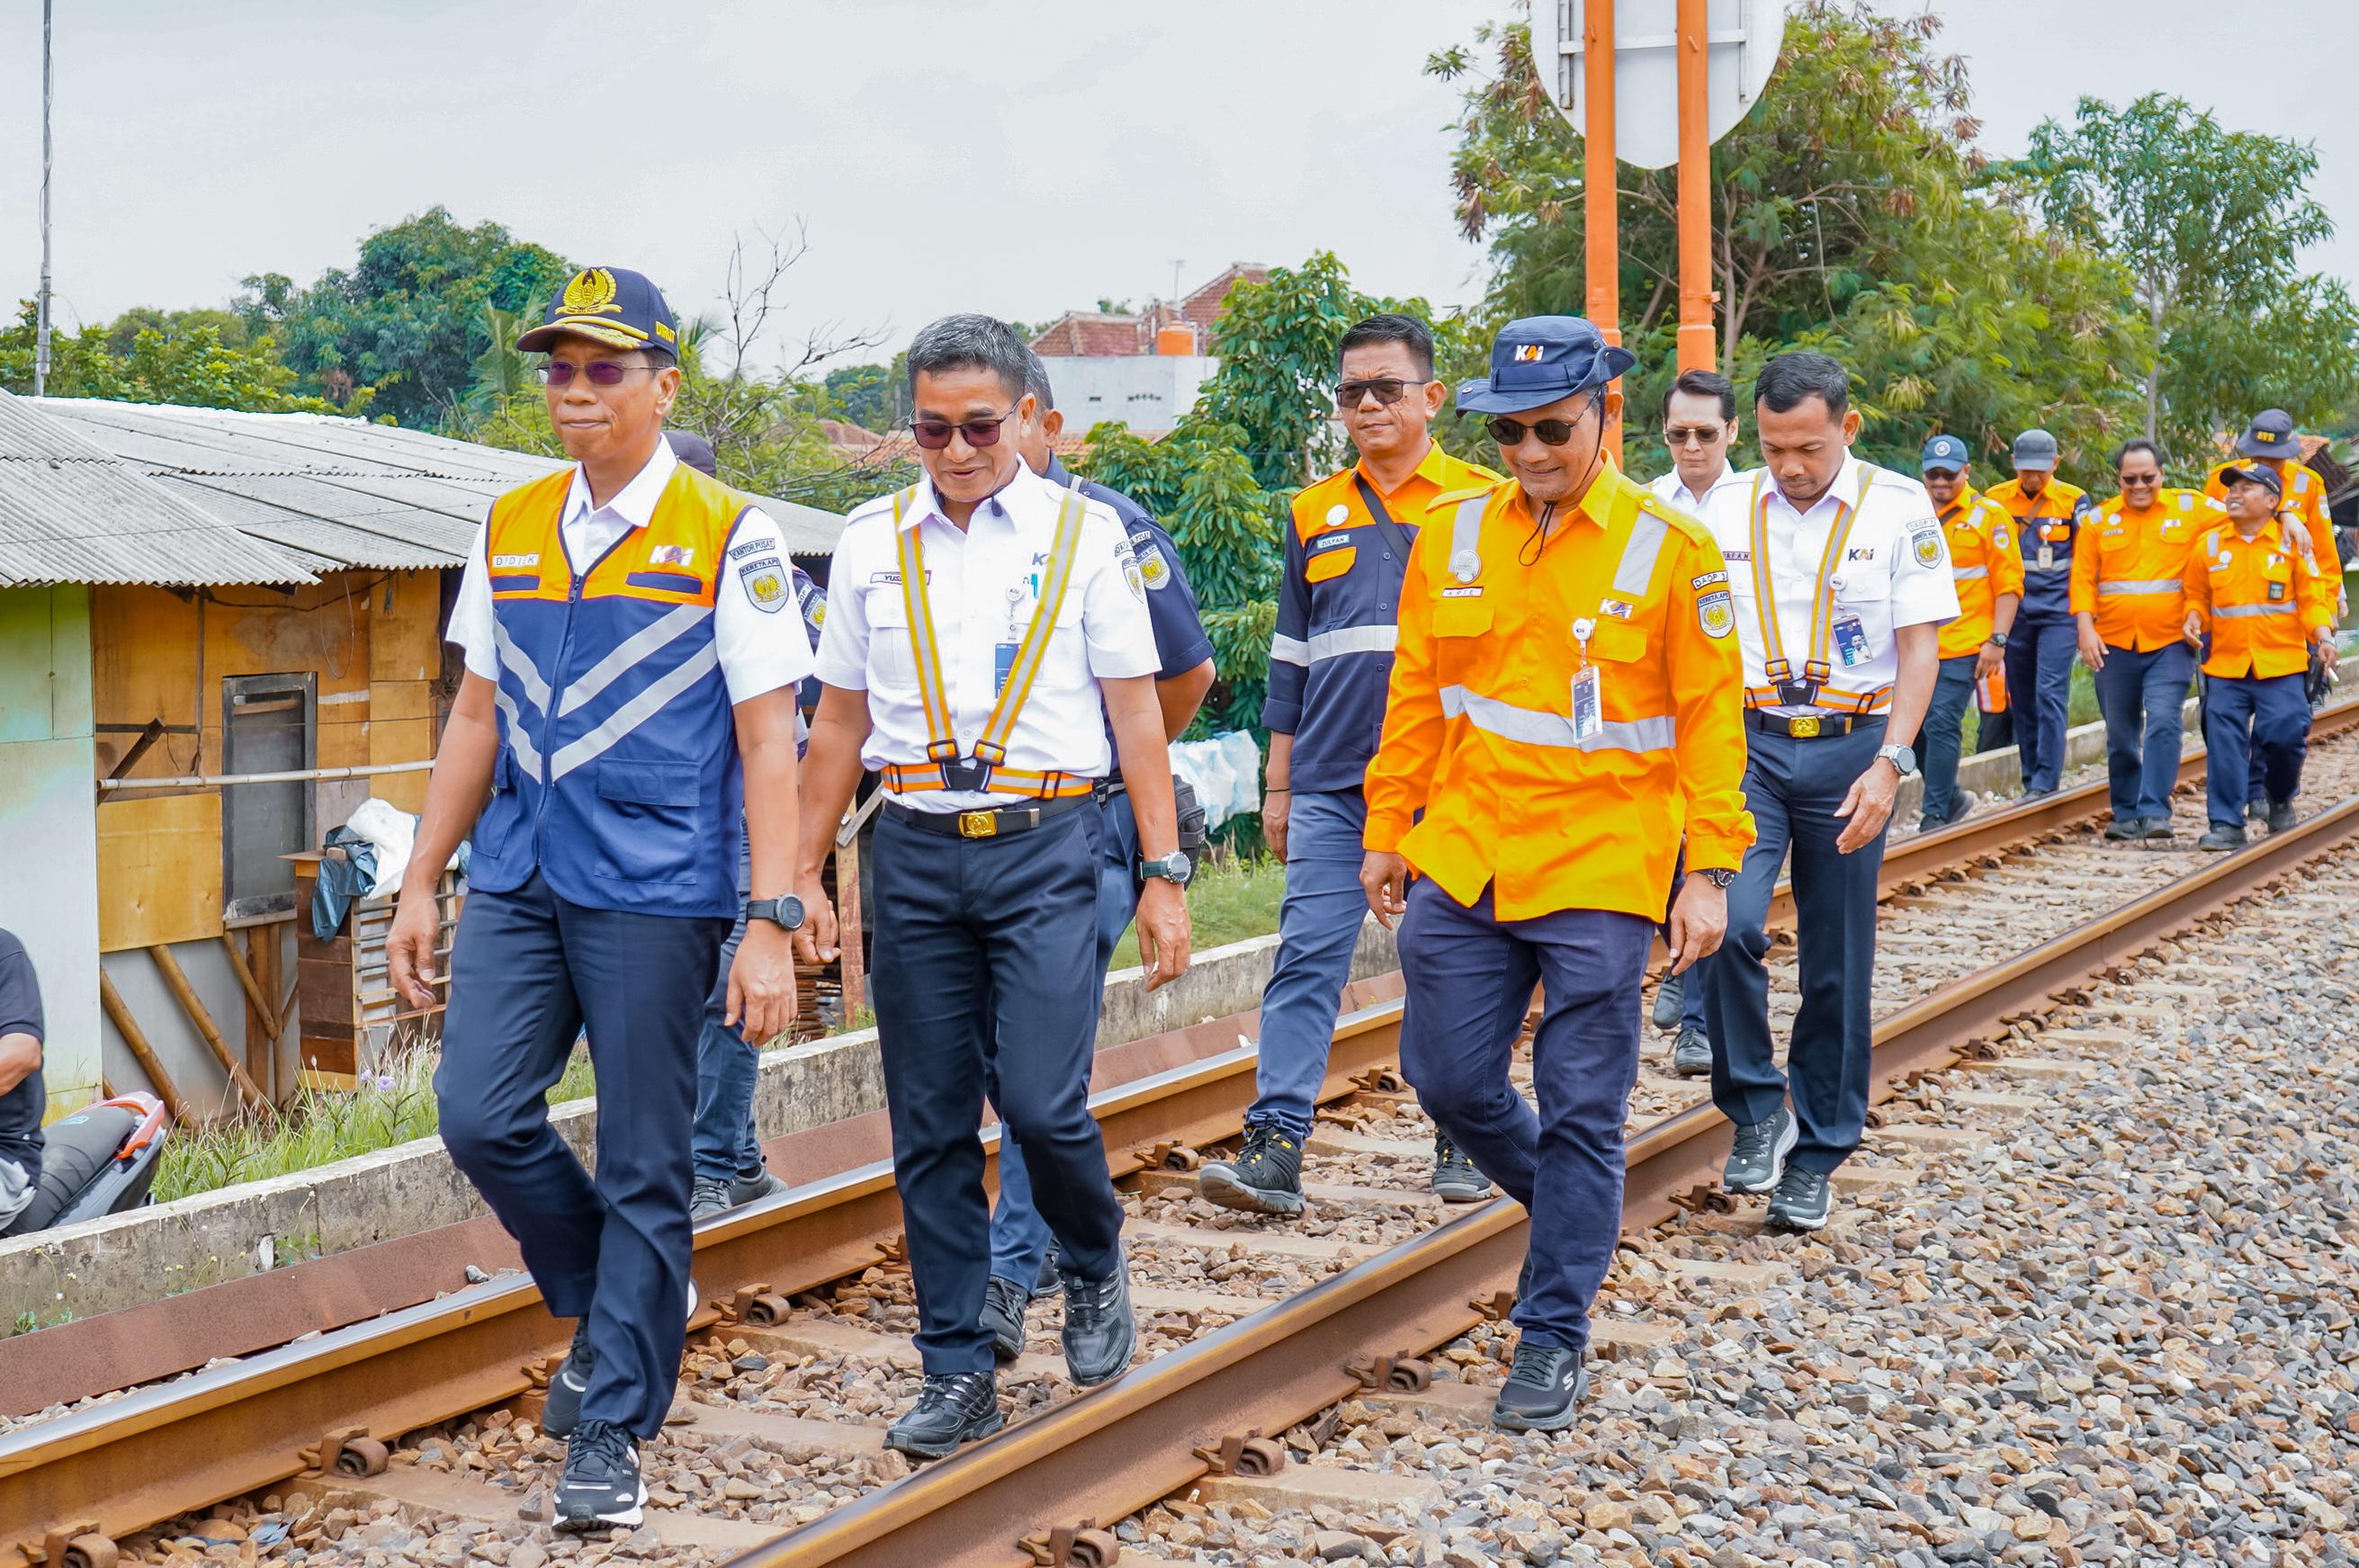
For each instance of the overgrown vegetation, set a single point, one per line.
(1231, 899)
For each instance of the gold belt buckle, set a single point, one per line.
(978, 824)
(1804, 728)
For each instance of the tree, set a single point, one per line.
(201, 358)
(408, 318)
(2210, 223)
(868, 395)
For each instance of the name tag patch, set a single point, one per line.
(1707, 580)
(739, 552)
(1473, 593)
(514, 562)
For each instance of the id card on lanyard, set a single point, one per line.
(1588, 689)
(1848, 636)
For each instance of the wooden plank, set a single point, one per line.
(194, 1007)
(135, 1038)
(159, 870)
(847, 931)
(262, 948)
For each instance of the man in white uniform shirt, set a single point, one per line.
(1840, 581)
(983, 626)
(1699, 429)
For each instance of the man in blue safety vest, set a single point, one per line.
(1338, 613)
(984, 626)
(1019, 1238)
(629, 691)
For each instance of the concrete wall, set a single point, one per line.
(48, 867)
(1144, 391)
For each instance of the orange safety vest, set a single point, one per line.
(1984, 564)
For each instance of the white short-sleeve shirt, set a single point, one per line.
(1670, 489)
(1895, 572)
(762, 648)
(982, 583)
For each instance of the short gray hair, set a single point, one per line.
(1036, 380)
(971, 341)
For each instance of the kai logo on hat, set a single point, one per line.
(1538, 360)
(1527, 354)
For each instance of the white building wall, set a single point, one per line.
(1144, 391)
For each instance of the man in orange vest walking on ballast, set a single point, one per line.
(1989, 577)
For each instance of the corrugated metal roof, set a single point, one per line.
(397, 490)
(70, 511)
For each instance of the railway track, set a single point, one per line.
(801, 1354)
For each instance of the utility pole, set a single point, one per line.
(42, 330)
(1598, 184)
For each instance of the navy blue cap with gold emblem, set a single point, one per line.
(1540, 359)
(609, 305)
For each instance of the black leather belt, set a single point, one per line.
(1808, 727)
(991, 823)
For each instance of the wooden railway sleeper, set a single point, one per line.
(78, 1545)
(347, 1451)
(1083, 1545)
(1399, 1373)
(1250, 1455)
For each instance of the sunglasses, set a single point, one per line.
(1693, 435)
(1940, 476)
(1387, 390)
(2140, 480)
(1510, 432)
(598, 372)
(935, 434)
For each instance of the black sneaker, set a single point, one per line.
(1670, 1001)
(1542, 1391)
(1266, 1178)
(569, 1383)
(1004, 1305)
(2256, 810)
(1455, 1180)
(744, 1190)
(1803, 1200)
(2159, 828)
(1101, 1329)
(601, 1485)
(708, 1196)
(2122, 830)
(952, 1408)
(1051, 1280)
(1757, 1157)
(1692, 1057)
(2280, 815)
(2222, 836)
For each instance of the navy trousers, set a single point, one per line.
(2144, 698)
(1468, 977)
(1944, 734)
(2039, 689)
(984, 977)
(1792, 788)
(529, 972)
(2252, 718)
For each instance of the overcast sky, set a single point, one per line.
(1021, 158)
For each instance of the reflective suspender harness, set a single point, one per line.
(946, 768)
(1811, 689)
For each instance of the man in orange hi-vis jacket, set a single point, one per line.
(1567, 675)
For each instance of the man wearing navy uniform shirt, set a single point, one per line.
(1019, 1238)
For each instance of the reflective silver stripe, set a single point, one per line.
(1637, 567)
(1535, 728)
(1467, 538)
(1969, 574)
(634, 712)
(520, 665)
(1353, 639)
(1284, 649)
(2139, 585)
(2239, 612)
(628, 652)
(519, 742)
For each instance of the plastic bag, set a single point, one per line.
(342, 882)
(1224, 772)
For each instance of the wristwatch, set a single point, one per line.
(1721, 876)
(1997, 640)
(785, 913)
(1903, 760)
(1175, 869)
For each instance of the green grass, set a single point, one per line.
(1230, 900)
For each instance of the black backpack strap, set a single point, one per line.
(1395, 535)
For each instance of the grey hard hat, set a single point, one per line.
(2035, 449)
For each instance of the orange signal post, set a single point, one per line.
(1598, 178)
(1696, 347)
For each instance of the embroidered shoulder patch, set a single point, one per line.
(1706, 579)
(1716, 613)
(1925, 543)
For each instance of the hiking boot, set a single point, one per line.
(1802, 1201)
(1756, 1156)
(2122, 830)
(1670, 1002)
(951, 1408)
(601, 1485)
(1004, 1305)
(708, 1196)
(1266, 1178)
(1692, 1057)
(745, 1189)
(1455, 1180)
(570, 1381)
(2158, 828)
(1101, 1329)
(2222, 836)
(1542, 1390)
(2280, 815)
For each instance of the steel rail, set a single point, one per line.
(1121, 1447)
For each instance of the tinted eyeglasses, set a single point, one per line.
(1387, 390)
(1510, 432)
(598, 372)
(1693, 435)
(935, 434)
(2143, 481)
(1940, 476)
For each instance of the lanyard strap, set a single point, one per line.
(1395, 535)
(1765, 597)
(933, 693)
